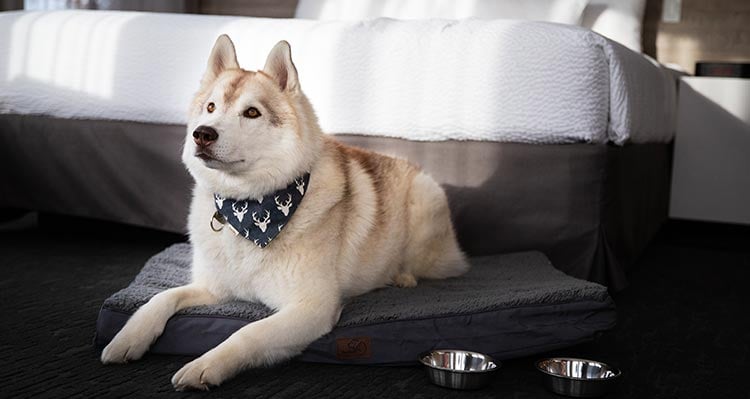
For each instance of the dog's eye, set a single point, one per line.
(251, 113)
(211, 107)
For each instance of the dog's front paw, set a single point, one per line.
(124, 348)
(199, 374)
(405, 280)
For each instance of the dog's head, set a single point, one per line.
(249, 132)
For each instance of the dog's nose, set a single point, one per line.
(204, 136)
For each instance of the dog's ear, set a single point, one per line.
(222, 57)
(280, 67)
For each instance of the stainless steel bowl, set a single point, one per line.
(578, 377)
(459, 369)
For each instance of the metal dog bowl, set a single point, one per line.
(459, 369)
(578, 377)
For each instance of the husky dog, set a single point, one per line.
(361, 221)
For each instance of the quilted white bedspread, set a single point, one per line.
(498, 80)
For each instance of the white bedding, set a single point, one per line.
(498, 80)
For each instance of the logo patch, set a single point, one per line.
(353, 348)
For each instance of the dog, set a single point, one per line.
(285, 215)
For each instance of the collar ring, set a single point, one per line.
(219, 218)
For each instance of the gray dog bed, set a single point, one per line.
(506, 306)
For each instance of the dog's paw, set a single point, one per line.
(405, 280)
(200, 374)
(123, 349)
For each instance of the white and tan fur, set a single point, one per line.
(367, 221)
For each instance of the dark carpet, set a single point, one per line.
(682, 330)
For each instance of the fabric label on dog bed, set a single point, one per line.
(353, 348)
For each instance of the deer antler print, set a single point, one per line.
(219, 200)
(263, 224)
(284, 206)
(300, 183)
(239, 213)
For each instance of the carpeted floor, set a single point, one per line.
(682, 333)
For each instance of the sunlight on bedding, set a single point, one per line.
(429, 80)
(560, 11)
(69, 50)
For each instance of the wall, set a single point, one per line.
(8, 5)
(709, 30)
(259, 8)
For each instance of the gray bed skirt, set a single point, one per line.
(590, 208)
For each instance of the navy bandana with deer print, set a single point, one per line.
(260, 220)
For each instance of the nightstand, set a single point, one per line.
(711, 168)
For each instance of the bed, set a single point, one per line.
(545, 136)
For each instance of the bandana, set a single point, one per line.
(260, 220)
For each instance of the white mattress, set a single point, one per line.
(498, 80)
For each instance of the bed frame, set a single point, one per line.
(590, 208)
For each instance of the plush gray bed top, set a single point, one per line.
(494, 282)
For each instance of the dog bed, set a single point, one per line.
(507, 306)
